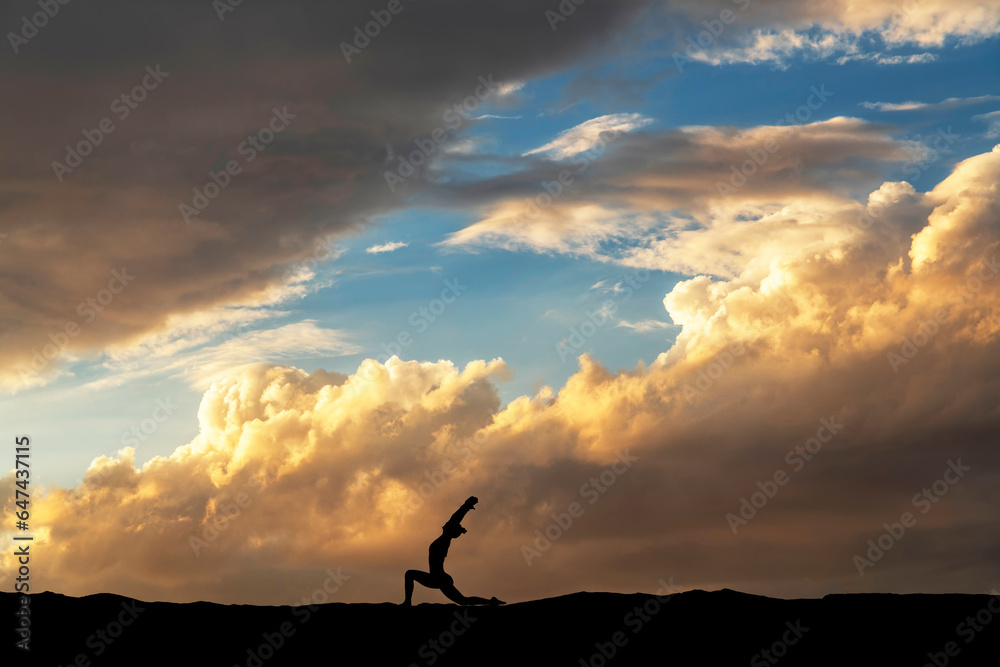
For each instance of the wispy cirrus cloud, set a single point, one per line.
(885, 59)
(386, 247)
(607, 286)
(993, 120)
(200, 365)
(950, 103)
(493, 116)
(645, 326)
(586, 135)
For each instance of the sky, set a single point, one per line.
(687, 291)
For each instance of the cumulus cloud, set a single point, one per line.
(884, 334)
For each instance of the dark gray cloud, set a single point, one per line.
(219, 81)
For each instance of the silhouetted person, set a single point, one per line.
(437, 577)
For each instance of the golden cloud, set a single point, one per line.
(886, 330)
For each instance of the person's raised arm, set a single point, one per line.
(469, 504)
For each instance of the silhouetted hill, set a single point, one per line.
(692, 628)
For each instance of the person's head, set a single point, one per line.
(453, 530)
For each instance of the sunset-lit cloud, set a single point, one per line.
(126, 193)
(321, 176)
(776, 33)
(887, 329)
(805, 265)
(717, 176)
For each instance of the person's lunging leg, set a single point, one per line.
(422, 578)
(454, 595)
